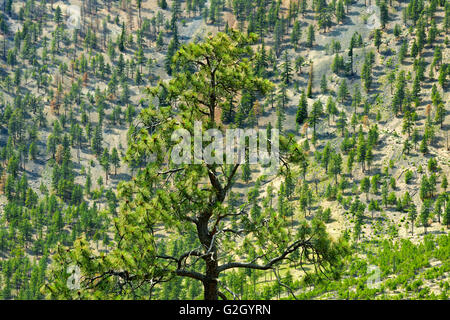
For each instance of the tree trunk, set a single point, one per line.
(211, 290)
(210, 283)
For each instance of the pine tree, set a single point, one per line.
(160, 40)
(310, 82)
(423, 146)
(278, 37)
(303, 6)
(412, 215)
(105, 162)
(246, 173)
(432, 32)
(437, 57)
(282, 97)
(336, 165)
(350, 54)
(407, 146)
(340, 11)
(384, 14)
(5, 29)
(403, 51)
(444, 183)
(161, 194)
(163, 4)
(361, 151)
(97, 141)
(316, 113)
(399, 95)
(326, 154)
(58, 16)
(365, 186)
(286, 69)
(440, 202)
(341, 122)
(440, 114)
(88, 183)
(296, 35)
(407, 123)
(51, 145)
(358, 226)
(337, 64)
(310, 36)
(377, 39)
(299, 63)
(171, 49)
(343, 90)
(425, 214)
(323, 84)
(415, 138)
(446, 217)
(122, 37)
(369, 157)
(331, 109)
(366, 75)
(424, 187)
(324, 19)
(397, 30)
(115, 160)
(33, 151)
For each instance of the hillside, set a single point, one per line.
(360, 88)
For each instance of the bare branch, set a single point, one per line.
(283, 285)
(170, 171)
(294, 246)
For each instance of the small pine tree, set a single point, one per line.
(105, 162)
(423, 146)
(446, 217)
(302, 111)
(377, 39)
(425, 214)
(323, 84)
(310, 36)
(246, 173)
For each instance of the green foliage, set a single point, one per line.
(68, 93)
(302, 111)
(150, 201)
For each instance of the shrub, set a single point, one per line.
(408, 176)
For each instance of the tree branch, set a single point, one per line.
(250, 265)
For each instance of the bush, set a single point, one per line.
(392, 199)
(408, 176)
(325, 215)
